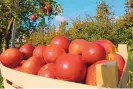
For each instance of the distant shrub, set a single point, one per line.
(89, 30)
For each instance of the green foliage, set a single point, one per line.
(131, 68)
(38, 37)
(1, 80)
(19, 12)
(89, 30)
(94, 28)
(22, 9)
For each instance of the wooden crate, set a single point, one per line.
(106, 75)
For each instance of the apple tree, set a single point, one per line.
(24, 16)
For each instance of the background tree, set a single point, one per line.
(19, 12)
(102, 10)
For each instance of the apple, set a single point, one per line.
(32, 65)
(52, 52)
(83, 75)
(93, 52)
(33, 17)
(48, 8)
(11, 58)
(70, 67)
(48, 70)
(38, 51)
(18, 68)
(43, 9)
(61, 41)
(23, 61)
(77, 45)
(27, 50)
(108, 45)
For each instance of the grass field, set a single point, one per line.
(130, 67)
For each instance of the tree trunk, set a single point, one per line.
(0, 41)
(7, 36)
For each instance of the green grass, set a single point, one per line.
(1, 80)
(130, 67)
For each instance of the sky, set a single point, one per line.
(74, 8)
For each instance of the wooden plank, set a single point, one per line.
(32, 81)
(124, 78)
(106, 75)
(122, 49)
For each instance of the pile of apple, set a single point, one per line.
(62, 59)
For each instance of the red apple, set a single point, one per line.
(61, 41)
(33, 17)
(70, 67)
(83, 75)
(77, 45)
(48, 70)
(93, 52)
(43, 9)
(38, 51)
(48, 8)
(52, 52)
(23, 61)
(27, 50)
(108, 45)
(12, 57)
(32, 65)
(18, 67)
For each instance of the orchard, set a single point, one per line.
(70, 54)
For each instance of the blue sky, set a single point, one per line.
(74, 8)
